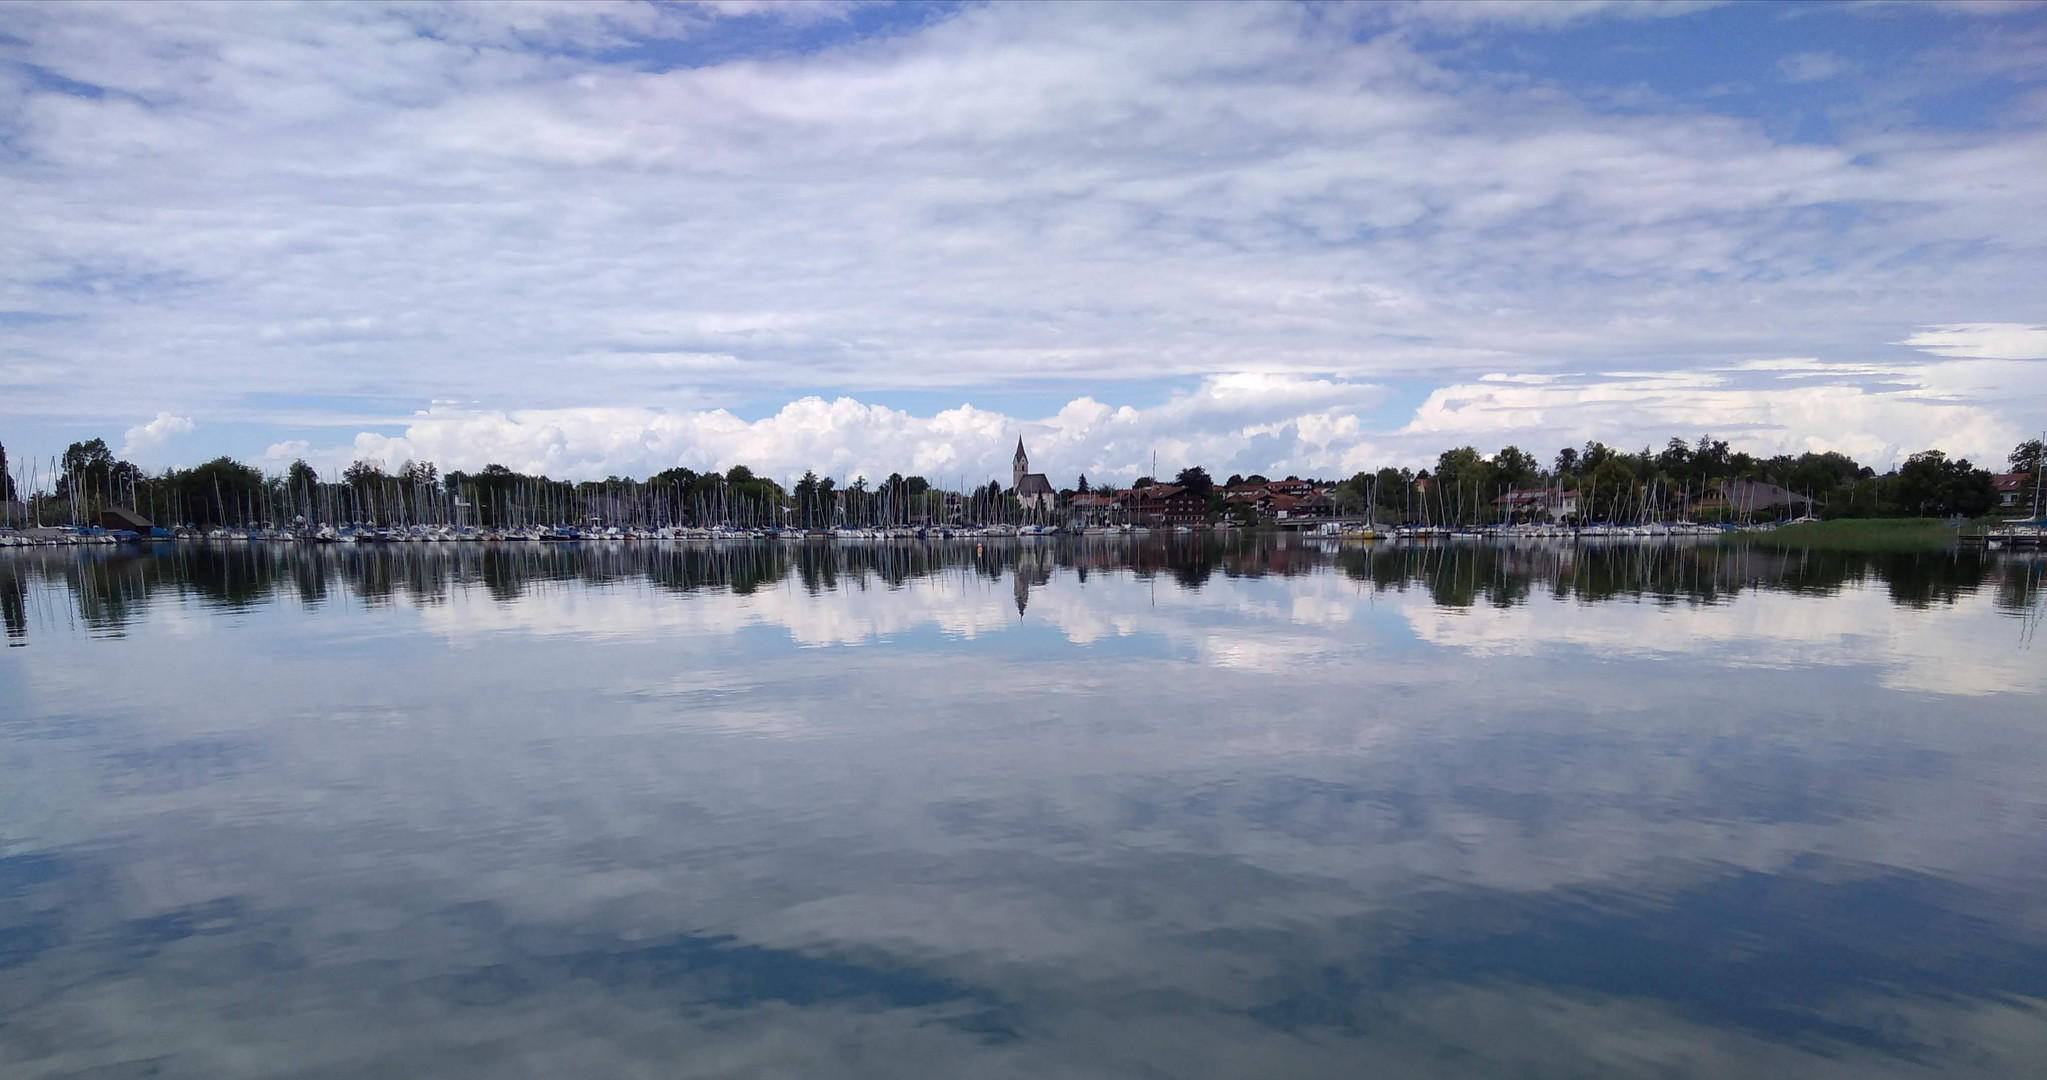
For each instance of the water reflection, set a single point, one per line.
(111, 586)
(1187, 809)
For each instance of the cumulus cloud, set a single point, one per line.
(1793, 407)
(521, 208)
(1299, 424)
(141, 438)
(1246, 422)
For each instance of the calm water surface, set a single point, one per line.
(1027, 809)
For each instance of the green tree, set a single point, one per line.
(1353, 496)
(87, 468)
(1818, 474)
(678, 478)
(220, 492)
(1932, 485)
(2027, 456)
(362, 475)
(92, 478)
(6, 478)
(857, 499)
(1458, 462)
(1463, 483)
(1390, 486)
(1606, 491)
(808, 500)
(422, 473)
(1711, 460)
(1676, 458)
(1195, 479)
(81, 457)
(992, 496)
(1513, 467)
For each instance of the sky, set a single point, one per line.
(606, 239)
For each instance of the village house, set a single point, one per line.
(1164, 504)
(1313, 505)
(1256, 496)
(1750, 497)
(1527, 504)
(1094, 507)
(2016, 492)
(1292, 499)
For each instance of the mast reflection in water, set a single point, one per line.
(1185, 808)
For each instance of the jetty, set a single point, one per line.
(2011, 534)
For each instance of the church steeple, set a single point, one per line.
(1021, 464)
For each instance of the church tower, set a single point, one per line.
(1031, 489)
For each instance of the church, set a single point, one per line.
(1031, 488)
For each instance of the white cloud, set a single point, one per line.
(1542, 13)
(1801, 406)
(140, 439)
(403, 205)
(1303, 424)
(1245, 422)
(1995, 341)
(1812, 367)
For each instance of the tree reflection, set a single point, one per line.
(109, 587)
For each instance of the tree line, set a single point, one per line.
(89, 479)
(1608, 484)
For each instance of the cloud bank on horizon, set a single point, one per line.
(611, 238)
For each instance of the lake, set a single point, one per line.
(1237, 808)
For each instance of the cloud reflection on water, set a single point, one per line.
(1207, 813)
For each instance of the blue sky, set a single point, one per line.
(600, 239)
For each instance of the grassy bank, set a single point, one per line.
(1863, 534)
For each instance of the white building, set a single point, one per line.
(1031, 489)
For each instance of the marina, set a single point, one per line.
(886, 540)
(74, 536)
